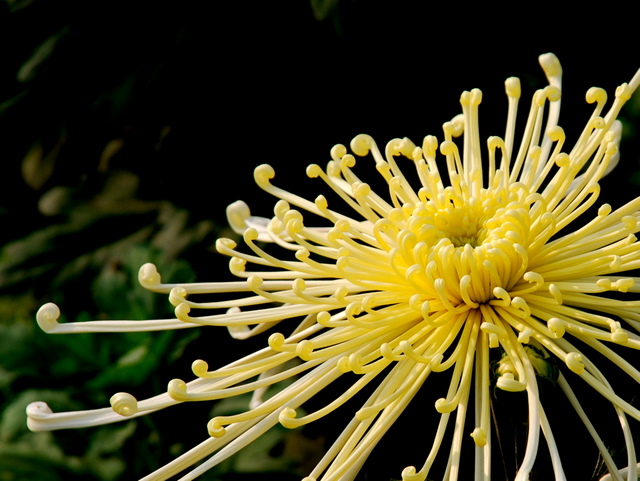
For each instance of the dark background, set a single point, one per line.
(202, 92)
(129, 126)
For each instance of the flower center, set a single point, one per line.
(459, 252)
(462, 226)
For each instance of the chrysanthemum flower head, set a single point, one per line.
(482, 260)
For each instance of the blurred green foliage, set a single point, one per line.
(35, 366)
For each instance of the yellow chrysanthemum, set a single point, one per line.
(398, 286)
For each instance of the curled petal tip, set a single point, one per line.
(177, 389)
(37, 412)
(38, 409)
(304, 350)
(550, 64)
(512, 86)
(216, 430)
(199, 367)
(250, 235)
(507, 382)
(409, 474)
(430, 146)
(448, 147)
(361, 144)
(223, 244)
(47, 317)
(124, 404)
(148, 276)
(338, 151)
(556, 327)
(237, 214)
(444, 406)
(182, 312)
(553, 93)
(177, 296)
(574, 362)
(276, 341)
(263, 174)
(313, 171)
(287, 418)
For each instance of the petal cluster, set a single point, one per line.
(485, 256)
